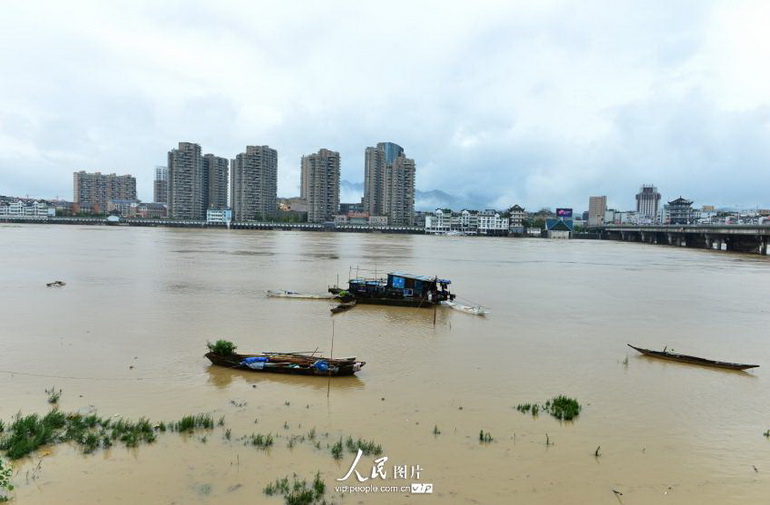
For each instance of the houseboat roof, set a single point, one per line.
(423, 278)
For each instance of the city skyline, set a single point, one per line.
(540, 104)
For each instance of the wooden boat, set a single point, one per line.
(398, 289)
(56, 284)
(343, 307)
(476, 310)
(290, 363)
(281, 293)
(694, 360)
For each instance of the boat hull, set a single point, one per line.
(396, 302)
(693, 360)
(293, 364)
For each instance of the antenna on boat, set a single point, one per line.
(331, 357)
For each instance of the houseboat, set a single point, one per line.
(399, 289)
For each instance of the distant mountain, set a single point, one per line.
(351, 192)
(434, 199)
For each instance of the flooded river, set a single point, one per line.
(127, 334)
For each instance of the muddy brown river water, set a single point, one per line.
(127, 334)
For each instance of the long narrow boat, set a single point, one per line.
(694, 360)
(282, 293)
(476, 310)
(343, 306)
(290, 363)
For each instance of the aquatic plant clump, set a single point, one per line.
(192, 422)
(298, 492)
(337, 450)
(27, 434)
(260, 440)
(6, 471)
(563, 408)
(53, 395)
(367, 447)
(222, 347)
(560, 407)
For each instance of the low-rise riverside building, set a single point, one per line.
(491, 223)
(466, 222)
(27, 209)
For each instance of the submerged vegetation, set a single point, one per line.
(53, 395)
(223, 347)
(563, 407)
(260, 440)
(5, 480)
(367, 447)
(192, 422)
(298, 492)
(27, 434)
(560, 407)
(337, 450)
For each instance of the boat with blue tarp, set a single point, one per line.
(296, 363)
(400, 289)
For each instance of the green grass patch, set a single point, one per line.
(260, 440)
(337, 449)
(53, 395)
(368, 447)
(298, 492)
(6, 472)
(191, 422)
(26, 434)
(561, 407)
(223, 347)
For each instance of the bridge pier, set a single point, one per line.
(714, 241)
(676, 239)
(747, 244)
(696, 242)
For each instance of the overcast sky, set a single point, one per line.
(538, 103)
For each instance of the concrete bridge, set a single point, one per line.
(737, 238)
(235, 225)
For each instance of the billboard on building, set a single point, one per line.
(564, 213)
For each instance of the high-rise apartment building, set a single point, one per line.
(160, 185)
(648, 201)
(389, 183)
(215, 170)
(96, 190)
(254, 185)
(597, 207)
(320, 186)
(186, 189)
